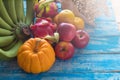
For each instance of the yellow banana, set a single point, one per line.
(10, 7)
(30, 11)
(5, 15)
(5, 32)
(19, 7)
(11, 52)
(4, 25)
(6, 40)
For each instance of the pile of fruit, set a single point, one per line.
(40, 35)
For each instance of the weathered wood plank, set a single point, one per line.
(102, 45)
(89, 63)
(104, 38)
(63, 76)
(103, 29)
(79, 63)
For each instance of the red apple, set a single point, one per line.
(64, 50)
(81, 39)
(66, 31)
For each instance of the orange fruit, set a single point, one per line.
(79, 23)
(65, 16)
(56, 19)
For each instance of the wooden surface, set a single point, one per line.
(100, 60)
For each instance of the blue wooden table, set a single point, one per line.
(100, 60)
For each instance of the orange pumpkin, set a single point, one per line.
(36, 55)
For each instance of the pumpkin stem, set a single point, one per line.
(36, 46)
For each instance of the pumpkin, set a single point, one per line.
(36, 55)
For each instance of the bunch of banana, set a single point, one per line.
(14, 25)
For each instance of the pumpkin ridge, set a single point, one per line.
(39, 60)
(34, 64)
(46, 66)
(43, 50)
(43, 43)
(27, 62)
(43, 46)
(23, 48)
(52, 51)
(21, 57)
(30, 43)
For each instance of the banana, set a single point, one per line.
(5, 15)
(5, 32)
(10, 45)
(10, 7)
(11, 52)
(4, 25)
(30, 11)
(19, 7)
(6, 40)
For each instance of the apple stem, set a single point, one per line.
(81, 36)
(62, 49)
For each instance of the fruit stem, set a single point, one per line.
(62, 49)
(81, 36)
(36, 46)
(22, 32)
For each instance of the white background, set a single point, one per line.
(116, 7)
